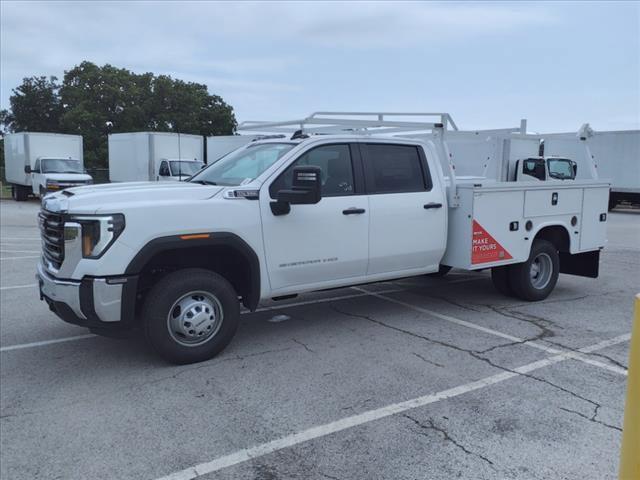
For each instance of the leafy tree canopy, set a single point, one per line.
(94, 101)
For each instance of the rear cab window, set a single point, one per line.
(395, 168)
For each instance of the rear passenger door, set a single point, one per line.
(407, 213)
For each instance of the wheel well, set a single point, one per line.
(226, 260)
(557, 235)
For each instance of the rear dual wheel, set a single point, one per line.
(532, 280)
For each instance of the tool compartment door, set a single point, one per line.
(594, 218)
(497, 228)
(546, 202)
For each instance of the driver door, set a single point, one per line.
(319, 244)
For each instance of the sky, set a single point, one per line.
(488, 64)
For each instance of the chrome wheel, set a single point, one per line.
(195, 318)
(541, 271)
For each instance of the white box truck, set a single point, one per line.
(307, 212)
(38, 163)
(616, 154)
(154, 156)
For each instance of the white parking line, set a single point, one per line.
(8, 239)
(19, 251)
(319, 431)
(323, 300)
(19, 258)
(45, 342)
(15, 287)
(490, 331)
(263, 309)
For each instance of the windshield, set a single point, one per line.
(60, 165)
(185, 168)
(243, 165)
(561, 168)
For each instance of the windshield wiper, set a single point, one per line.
(203, 182)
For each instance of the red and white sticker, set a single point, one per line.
(485, 248)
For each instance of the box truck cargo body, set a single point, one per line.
(37, 163)
(218, 146)
(154, 156)
(617, 155)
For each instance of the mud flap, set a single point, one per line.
(581, 264)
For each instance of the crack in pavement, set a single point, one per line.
(592, 418)
(427, 360)
(473, 353)
(447, 438)
(544, 334)
(303, 345)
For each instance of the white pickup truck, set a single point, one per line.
(307, 212)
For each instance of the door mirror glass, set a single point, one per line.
(27, 169)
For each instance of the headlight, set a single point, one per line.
(99, 232)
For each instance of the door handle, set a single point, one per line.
(432, 205)
(353, 211)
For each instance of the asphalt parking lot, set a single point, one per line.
(411, 379)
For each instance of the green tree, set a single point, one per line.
(35, 106)
(95, 101)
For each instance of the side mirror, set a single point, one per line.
(540, 171)
(306, 189)
(164, 172)
(575, 170)
(27, 169)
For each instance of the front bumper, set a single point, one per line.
(101, 304)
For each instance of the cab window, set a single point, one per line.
(36, 166)
(534, 167)
(561, 168)
(395, 169)
(336, 167)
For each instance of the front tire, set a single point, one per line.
(536, 278)
(191, 315)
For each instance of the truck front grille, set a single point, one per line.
(52, 233)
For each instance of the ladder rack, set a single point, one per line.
(435, 127)
(354, 122)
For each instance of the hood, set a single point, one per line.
(68, 177)
(118, 197)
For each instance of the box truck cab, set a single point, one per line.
(154, 156)
(545, 169)
(177, 169)
(39, 163)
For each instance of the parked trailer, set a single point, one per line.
(37, 163)
(616, 154)
(154, 156)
